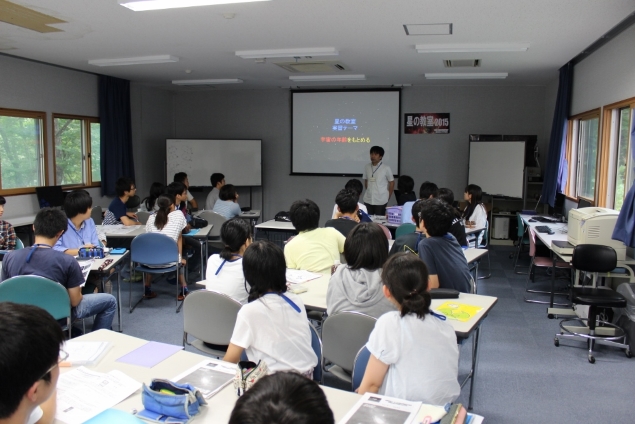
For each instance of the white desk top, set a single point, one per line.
(141, 229)
(473, 230)
(272, 224)
(219, 407)
(115, 260)
(21, 220)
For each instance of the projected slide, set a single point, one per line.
(334, 131)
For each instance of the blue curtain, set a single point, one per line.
(625, 225)
(555, 178)
(116, 132)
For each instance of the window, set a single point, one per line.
(624, 167)
(77, 146)
(22, 151)
(582, 155)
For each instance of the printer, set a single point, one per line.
(595, 225)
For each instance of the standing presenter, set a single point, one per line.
(378, 181)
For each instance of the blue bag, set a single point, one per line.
(168, 407)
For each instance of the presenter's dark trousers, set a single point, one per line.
(376, 209)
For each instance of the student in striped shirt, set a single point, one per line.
(227, 203)
(171, 222)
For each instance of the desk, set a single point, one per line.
(23, 221)
(275, 231)
(201, 237)
(219, 407)
(105, 274)
(315, 299)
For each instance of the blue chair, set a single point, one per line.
(151, 250)
(405, 229)
(38, 291)
(359, 366)
(18, 243)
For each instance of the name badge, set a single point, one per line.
(372, 179)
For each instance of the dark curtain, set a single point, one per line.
(625, 225)
(116, 132)
(555, 177)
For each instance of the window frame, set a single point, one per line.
(571, 154)
(86, 146)
(44, 154)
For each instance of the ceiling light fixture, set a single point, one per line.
(310, 51)
(482, 75)
(470, 48)
(208, 81)
(140, 60)
(143, 5)
(349, 77)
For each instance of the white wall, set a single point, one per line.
(33, 86)
(607, 76)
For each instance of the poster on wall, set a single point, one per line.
(426, 123)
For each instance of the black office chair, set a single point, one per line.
(595, 259)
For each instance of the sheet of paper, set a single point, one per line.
(192, 232)
(209, 376)
(299, 276)
(82, 393)
(374, 408)
(85, 265)
(82, 353)
(150, 354)
(458, 311)
(117, 229)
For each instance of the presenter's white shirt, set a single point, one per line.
(271, 330)
(377, 178)
(228, 279)
(422, 355)
(361, 207)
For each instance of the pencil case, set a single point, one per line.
(169, 402)
(444, 293)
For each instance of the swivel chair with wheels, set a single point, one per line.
(595, 259)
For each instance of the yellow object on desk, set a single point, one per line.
(458, 311)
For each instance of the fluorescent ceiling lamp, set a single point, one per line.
(456, 75)
(470, 48)
(143, 5)
(311, 51)
(208, 81)
(141, 60)
(350, 77)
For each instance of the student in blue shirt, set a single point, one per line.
(227, 203)
(81, 230)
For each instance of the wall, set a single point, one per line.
(265, 114)
(607, 76)
(33, 86)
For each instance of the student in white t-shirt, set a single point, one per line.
(414, 354)
(273, 326)
(475, 211)
(225, 270)
(171, 222)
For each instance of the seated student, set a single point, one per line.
(439, 249)
(273, 326)
(347, 219)
(475, 210)
(149, 204)
(171, 222)
(283, 398)
(357, 187)
(225, 270)
(117, 213)
(227, 203)
(218, 181)
(414, 355)
(410, 242)
(404, 192)
(427, 190)
(458, 228)
(7, 233)
(41, 259)
(179, 192)
(181, 177)
(81, 230)
(29, 357)
(313, 249)
(356, 286)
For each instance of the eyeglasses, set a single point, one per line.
(61, 358)
(104, 265)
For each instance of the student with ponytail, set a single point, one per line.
(414, 354)
(273, 326)
(169, 221)
(225, 270)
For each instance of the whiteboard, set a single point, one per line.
(239, 160)
(498, 167)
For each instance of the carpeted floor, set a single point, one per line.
(521, 376)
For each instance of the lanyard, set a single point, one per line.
(35, 246)
(441, 317)
(223, 263)
(289, 301)
(346, 217)
(79, 236)
(373, 174)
